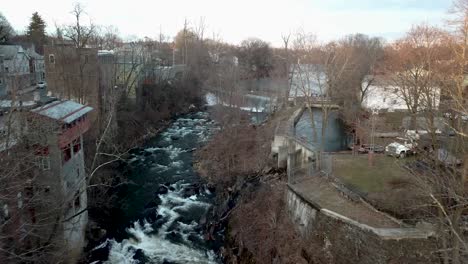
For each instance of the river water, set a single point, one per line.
(335, 135)
(166, 204)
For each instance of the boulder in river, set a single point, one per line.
(162, 189)
(140, 256)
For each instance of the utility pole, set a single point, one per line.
(375, 112)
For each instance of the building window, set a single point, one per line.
(42, 158)
(76, 146)
(6, 69)
(86, 58)
(43, 162)
(46, 163)
(19, 197)
(77, 200)
(52, 58)
(66, 154)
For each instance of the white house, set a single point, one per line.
(15, 59)
(37, 65)
(307, 80)
(384, 96)
(19, 68)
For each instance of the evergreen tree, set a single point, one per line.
(6, 31)
(36, 32)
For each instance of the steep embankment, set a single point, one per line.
(250, 195)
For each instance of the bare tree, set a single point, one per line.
(411, 63)
(438, 60)
(320, 73)
(79, 33)
(365, 53)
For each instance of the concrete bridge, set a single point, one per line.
(314, 101)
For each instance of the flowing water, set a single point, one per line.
(167, 202)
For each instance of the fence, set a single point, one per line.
(304, 168)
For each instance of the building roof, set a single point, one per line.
(33, 54)
(9, 51)
(63, 111)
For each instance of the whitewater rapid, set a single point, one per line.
(170, 230)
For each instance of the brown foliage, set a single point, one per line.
(240, 149)
(261, 225)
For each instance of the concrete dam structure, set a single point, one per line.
(348, 229)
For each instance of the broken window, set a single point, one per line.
(66, 154)
(76, 145)
(77, 200)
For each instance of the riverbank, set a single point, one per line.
(250, 194)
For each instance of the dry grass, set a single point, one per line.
(376, 176)
(386, 184)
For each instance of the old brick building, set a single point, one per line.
(72, 73)
(46, 199)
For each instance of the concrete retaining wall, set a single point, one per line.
(347, 241)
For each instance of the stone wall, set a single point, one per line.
(347, 241)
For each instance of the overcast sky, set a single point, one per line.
(236, 20)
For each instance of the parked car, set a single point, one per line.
(41, 85)
(400, 149)
(366, 148)
(464, 116)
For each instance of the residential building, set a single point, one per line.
(36, 65)
(15, 68)
(383, 95)
(3, 90)
(20, 69)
